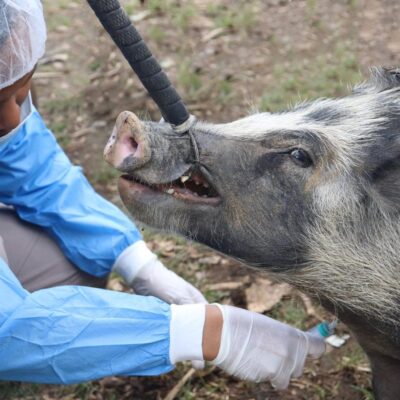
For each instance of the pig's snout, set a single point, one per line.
(128, 147)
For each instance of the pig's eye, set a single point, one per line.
(301, 158)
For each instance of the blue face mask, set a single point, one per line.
(25, 113)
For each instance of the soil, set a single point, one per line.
(223, 57)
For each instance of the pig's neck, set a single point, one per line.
(354, 264)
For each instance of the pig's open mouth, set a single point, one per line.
(192, 186)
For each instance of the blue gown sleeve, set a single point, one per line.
(37, 178)
(72, 334)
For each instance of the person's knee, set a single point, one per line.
(36, 258)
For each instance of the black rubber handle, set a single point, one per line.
(117, 23)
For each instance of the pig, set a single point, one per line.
(311, 196)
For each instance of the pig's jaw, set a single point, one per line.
(157, 165)
(191, 187)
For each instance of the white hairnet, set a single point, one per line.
(22, 38)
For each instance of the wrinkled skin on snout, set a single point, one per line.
(256, 206)
(311, 196)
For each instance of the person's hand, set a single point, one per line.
(154, 279)
(245, 344)
(146, 275)
(258, 348)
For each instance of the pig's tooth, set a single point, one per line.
(206, 185)
(184, 179)
(171, 191)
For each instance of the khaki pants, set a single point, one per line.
(35, 258)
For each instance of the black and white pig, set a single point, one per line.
(310, 195)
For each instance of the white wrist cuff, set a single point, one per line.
(132, 260)
(186, 332)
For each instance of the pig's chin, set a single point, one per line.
(189, 188)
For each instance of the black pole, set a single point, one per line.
(117, 23)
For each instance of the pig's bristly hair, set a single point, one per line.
(344, 126)
(353, 261)
(353, 257)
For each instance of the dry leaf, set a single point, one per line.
(115, 284)
(264, 294)
(211, 260)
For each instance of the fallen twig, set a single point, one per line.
(47, 75)
(109, 74)
(213, 34)
(310, 310)
(63, 57)
(225, 286)
(177, 388)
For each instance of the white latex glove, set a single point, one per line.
(258, 348)
(147, 276)
(253, 347)
(156, 280)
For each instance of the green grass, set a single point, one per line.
(11, 390)
(60, 130)
(368, 395)
(215, 296)
(59, 4)
(236, 18)
(59, 111)
(94, 65)
(158, 5)
(290, 311)
(58, 19)
(103, 175)
(321, 393)
(225, 92)
(156, 33)
(311, 5)
(352, 4)
(354, 358)
(61, 105)
(182, 15)
(24, 391)
(131, 6)
(326, 76)
(189, 79)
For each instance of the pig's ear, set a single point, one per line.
(381, 79)
(384, 172)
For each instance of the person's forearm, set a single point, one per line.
(73, 334)
(212, 332)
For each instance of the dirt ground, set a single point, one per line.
(226, 58)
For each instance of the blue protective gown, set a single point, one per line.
(71, 334)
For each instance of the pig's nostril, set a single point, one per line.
(133, 144)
